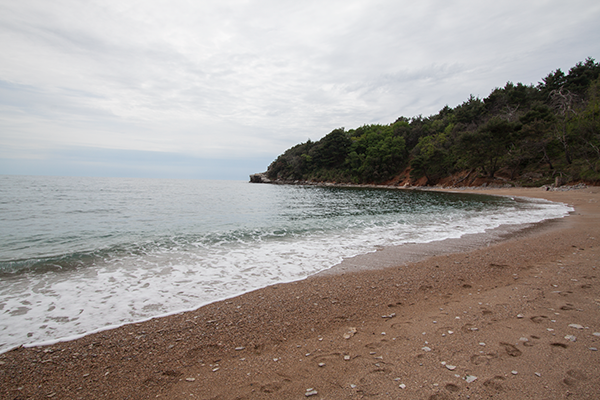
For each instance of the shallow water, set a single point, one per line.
(80, 254)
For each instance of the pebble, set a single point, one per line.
(426, 349)
(451, 367)
(538, 374)
(481, 344)
(514, 372)
(310, 392)
(470, 378)
(520, 316)
(571, 338)
(593, 349)
(402, 386)
(321, 365)
(347, 358)
(239, 348)
(596, 333)
(190, 379)
(450, 332)
(351, 332)
(576, 326)
(215, 369)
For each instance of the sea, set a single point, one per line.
(80, 255)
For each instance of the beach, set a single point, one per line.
(505, 315)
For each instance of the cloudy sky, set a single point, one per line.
(217, 89)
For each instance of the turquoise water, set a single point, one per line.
(81, 254)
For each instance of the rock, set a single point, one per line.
(520, 316)
(426, 348)
(451, 367)
(571, 338)
(576, 326)
(346, 358)
(260, 177)
(239, 348)
(190, 379)
(321, 365)
(402, 386)
(310, 392)
(392, 315)
(470, 378)
(351, 332)
(514, 372)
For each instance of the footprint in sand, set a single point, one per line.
(538, 319)
(495, 383)
(510, 349)
(560, 345)
(439, 396)
(479, 359)
(270, 388)
(451, 387)
(574, 376)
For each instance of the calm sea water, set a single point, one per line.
(82, 254)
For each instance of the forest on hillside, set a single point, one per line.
(520, 134)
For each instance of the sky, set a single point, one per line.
(198, 89)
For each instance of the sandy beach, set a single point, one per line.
(509, 315)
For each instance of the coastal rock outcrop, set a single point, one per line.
(260, 177)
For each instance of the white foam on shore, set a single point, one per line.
(64, 305)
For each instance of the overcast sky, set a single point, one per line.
(218, 89)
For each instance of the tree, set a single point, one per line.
(486, 147)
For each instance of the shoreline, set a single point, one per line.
(380, 258)
(267, 333)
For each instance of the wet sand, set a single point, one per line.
(508, 315)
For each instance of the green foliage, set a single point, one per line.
(518, 131)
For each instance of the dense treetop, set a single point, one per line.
(522, 134)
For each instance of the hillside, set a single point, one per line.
(520, 135)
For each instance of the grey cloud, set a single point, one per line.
(258, 76)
